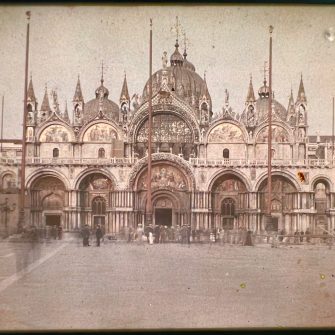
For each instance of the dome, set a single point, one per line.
(176, 58)
(263, 92)
(101, 91)
(101, 103)
(262, 109)
(182, 79)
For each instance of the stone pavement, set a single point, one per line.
(130, 286)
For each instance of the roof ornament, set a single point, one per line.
(226, 97)
(164, 60)
(102, 72)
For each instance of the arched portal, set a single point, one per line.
(229, 201)
(321, 190)
(283, 198)
(94, 195)
(170, 195)
(48, 200)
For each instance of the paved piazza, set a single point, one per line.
(120, 285)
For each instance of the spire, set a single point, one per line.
(124, 91)
(251, 94)
(45, 107)
(30, 93)
(176, 58)
(66, 113)
(102, 73)
(290, 100)
(78, 95)
(204, 89)
(301, 92)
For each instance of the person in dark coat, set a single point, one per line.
(248, 239)
(157, 233)
(60, 232)
(302, 236)
(308, 233)
(98, 235)
(86, 235)
(54, 232)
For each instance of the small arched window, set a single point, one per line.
(29, 108)
(101, 153)
(225, 153)
(55, 153)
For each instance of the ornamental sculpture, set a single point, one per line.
(100, 133)
(164, 176)
(55, 134)
(225, 133)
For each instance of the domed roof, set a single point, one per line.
(262, 109)
(182, 79)
(101, 103)
(176, 58)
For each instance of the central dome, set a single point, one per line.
(182, 79)
(101, 103)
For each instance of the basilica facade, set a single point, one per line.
(209, 167)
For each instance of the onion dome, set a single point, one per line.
(181, 79)
(101, 104)
(263, 92)
(176, 58)
(101, 91)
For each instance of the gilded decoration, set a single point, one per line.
(166, 128)
(164, 176)
(279, 135)
(230, 185)
(227, 133)
(55, 133)
(96, 182)
(100, 133)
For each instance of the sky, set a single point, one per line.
(228, 42)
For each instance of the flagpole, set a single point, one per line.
(270, 131)
(333, 134)
(24, 124)
(2, 111)
(149, 193)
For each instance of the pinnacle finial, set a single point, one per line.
(265, 69)
(28, 13)
(271, 29)
(102, 72)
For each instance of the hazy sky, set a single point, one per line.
(228, 42)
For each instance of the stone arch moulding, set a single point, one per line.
(321, 178)
(60, 124)
(164, 158)
(158, 109)
(42, 172)
(157, 194)
(228, 122)
(289, 176)
(89, 171)
(221, 173)
(84, 129)
(279, 124)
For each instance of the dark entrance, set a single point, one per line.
(51, 220)
(99, 220)
(163, 216)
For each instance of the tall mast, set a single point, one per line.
(270, 130)
(23, 161)
(149, 194)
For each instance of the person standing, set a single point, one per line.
(98, 235)
(86, 236)
(308, 233)
(54, 232)
(60, 232)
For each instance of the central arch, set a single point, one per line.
(94, 199)
(229, 194)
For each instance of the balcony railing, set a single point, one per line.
(262, 162)
(308, 163)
